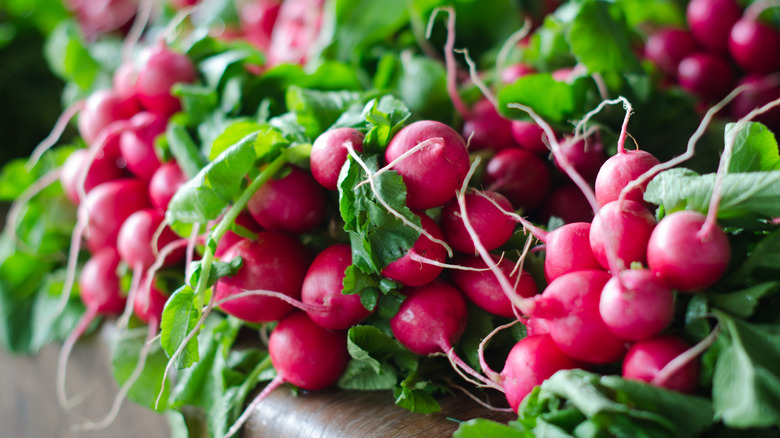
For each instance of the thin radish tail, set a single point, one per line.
(160, 261)
(306, 307)
(685, 357)
(449, 59)
(67, 347)
(272, 385)
(491, 374)
(459, 365)
(511, 43)
(528, 225)
(70, 270)
(124, 319)
(55, 134)
(413, 255)
(134, 34)
(122, 394)
(15, 210)
(482, 403)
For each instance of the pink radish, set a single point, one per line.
(667, 47)
(149, 303)
(711, 21)
(754, 46)
(491, 224)
(529, 136)
(102, 170)
(137, 144)
(568, 250)
(645, 360)
(257, 21)
(626, 226)
(519, 175)
(511, 73)
(586, 156)
(104, 107)
(620, 170)
(486, 129)
(294, 203)
(568, 203)
(230, 238)
(164, 183)
(161, 70)
(410, 270)
(106, 208)
(295, 32)
(763, 91)
(636, 305)
(707, 75)
(328, 154)
(136, 239)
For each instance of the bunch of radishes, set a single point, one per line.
(723, 47)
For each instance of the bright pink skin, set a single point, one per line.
(512, 73)
(711, 21)
(668, 47)
(431, 319)
(754, 46)
(134, 241)
(410, 272)
(568, 250)
(763, 93)
(104, 107)
(149, 304)
(570, 304)
(294, 203)
(486, 129)
(681, 258)
(274, 262)
(568, 203)
(493, 227)
(295, 31)
(434, 173)
(137, 144)
(163, 68)
(531, 361)
(482, 287)
(307, 355)
(103, 169)
(620, 170)
(108, 205)
(639, 308)
(627, 227)
(99, 284)
(257, 21)
(164, 184)
(586, 157)
(529, 136)
(230, 238)
(124, 79)
(646, 359)
(322, 286)
(706, 75)
(97, 17)
(328, 154)
(563, 74)
(519, 175)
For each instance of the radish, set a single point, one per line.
(303, 354)
(257, 21)
(102, 170)
(322, 287)
(519, 175)
(230, 238)
(295, 32)
(626, 226)
(587, 157)
(481, 286)
(328, 154)
(636, 305)
(485, 213)
(164, 183)
(531, 361)
(684, 257)
(620, 170)
(568, 203)
(711, 21)
(275, 262)
(762, 92)
(645, 360)
(415, 268)
(137, 144)
(754, 46)
(294, 203)
(511, 73)
(529, 136)
(102, 108)
(162, 69)
(136, 239)
(486, 129)
(436, 170)
(101, 16)
(124, 78)
(106, 208)
(568, 250)
(707, 75)
(667, 47)
(149, 303)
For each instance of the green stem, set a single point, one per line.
(227, 221)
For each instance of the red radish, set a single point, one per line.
(706, 75)
(482, 287)
(487, 129)
(161, 70)
(434, 172)
(295, 32)
(328, 154)
(620, 170)
(106, 208)
(531, 361)
(294, 203)
(711, 21)
(512, 73)
(754, 46)
(563, 74)
(257, 21)
(97, 17)
(626, 226)
(586, 156)
(149, 303)
(230, 238)
(568, 250)
(684, 259)
(124, 79)
(529, 136)
(412, 271)
(568, 203)
(491, 224)
(762, 91)
(519, 175)
(104, 107)
(275, 262)
(667, 47)
(164, 183)
(570, 304)
(102, 170)
(135, 240)
(137, 144)
(322, 286)
(645, 360)
(303, 354)
(636, 305)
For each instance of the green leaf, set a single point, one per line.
(762, 263)
(317, 110)
(218, 270)
(755, 149)
(359, 23)
(233, 134)
(744, 303)
(197, 101)
(599, 39)
(124, 360)
(416, 400)
(746, 383)
(361, 376)
(657, 12)
(184, 149)
(178, 319)
(482, 428)
(68, 57)
(552, 100)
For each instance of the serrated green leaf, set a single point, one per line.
(552, 100)
(755, 149)
(600, 40)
